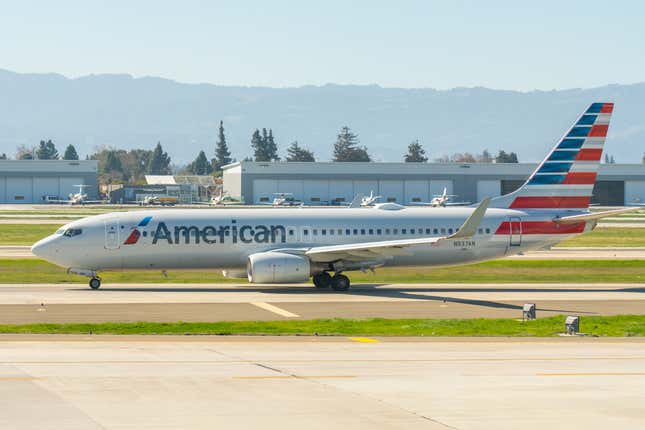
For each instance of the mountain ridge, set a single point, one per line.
(124, 111)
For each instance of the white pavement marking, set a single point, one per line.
(275, 309)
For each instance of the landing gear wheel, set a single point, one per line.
(322, 280)
(95, 283)
(340, 283)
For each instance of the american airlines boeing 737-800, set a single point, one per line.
(292, 245)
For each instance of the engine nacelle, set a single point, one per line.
(277, 268)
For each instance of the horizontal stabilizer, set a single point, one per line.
(594, 215)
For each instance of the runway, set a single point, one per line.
(21, 304)
(159, 382)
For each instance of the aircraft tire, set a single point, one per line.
(322, 280)
(95, 283)
(340, 282)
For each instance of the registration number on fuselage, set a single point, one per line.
(464, 243)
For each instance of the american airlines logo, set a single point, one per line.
(211, 234)
(135, 234)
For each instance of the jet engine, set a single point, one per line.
(277, 268)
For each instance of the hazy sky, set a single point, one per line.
(397, 43)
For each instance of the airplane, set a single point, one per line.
(79, 198)
(156, 200)
(441, 200)
(222, 199)
(290, 246)
(369, 200)
(285, 199)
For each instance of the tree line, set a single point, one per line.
(131, 166)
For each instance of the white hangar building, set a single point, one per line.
(28, 181)
(332, 183)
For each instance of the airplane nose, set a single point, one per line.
(43, 248)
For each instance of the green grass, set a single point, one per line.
(498, 271)
(609, 237)
(614, 326)
(25, 234)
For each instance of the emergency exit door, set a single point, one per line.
(515, 231)
(112, 234)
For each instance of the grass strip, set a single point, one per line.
(31, 270)
(610, 326)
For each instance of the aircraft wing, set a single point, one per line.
(387, 248)
(457, 203)
(591, 216)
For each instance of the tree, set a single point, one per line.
(47, 151)
(159, 163)
(3, 156)
(24, 153)
(222, 154)
(264, 146)
(485, 157)
(70, 153)
(416, 153)
(606, 158)
(346, 149)
(200, 166)
(296, 153)
(642, 160)
(503, 157)
(611, 160)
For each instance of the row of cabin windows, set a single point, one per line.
(378, 231)
(342, 199)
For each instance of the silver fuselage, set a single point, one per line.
(223, 239)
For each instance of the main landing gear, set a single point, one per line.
(338, 282)
(95, 283)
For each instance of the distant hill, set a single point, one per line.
(121, 111)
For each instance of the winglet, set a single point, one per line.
(470, 226)
(356, 203)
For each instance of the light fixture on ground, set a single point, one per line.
(572, 324)
(529, 311)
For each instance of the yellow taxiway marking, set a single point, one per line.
(295, 377)
(363, 339)
(275, 309)
(593, 374)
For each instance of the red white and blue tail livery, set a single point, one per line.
(277, 246)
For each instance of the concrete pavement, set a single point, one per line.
(225, 302)
(319, 383)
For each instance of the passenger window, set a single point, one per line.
(371, 231)
(324, 232)
(362, 231)
(427, 231)
(347, 232)
(305, 232)
(404, 231)
(443, 231)
(449, 231)
(290, 232)
(315, 232)
(396, 231)
(378, 231)
(387, 231)
(488, 231)
(340, 231)
(480, 231)
(412, 231)
(435, 231)
(355, 231)
(145, 234)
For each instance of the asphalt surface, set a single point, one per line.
(157, 382)
(227, 302)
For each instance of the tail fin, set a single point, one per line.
(566, 177)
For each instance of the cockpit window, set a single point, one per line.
(73, 232)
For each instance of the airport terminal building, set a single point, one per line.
(334, 183)
(28, 181)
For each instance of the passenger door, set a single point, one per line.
(112, 234)
(515, 231)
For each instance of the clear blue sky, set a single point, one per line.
(397, 43)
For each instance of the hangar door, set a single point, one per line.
(341, 191)
(488, 188)
(391, 191)
(69, 186)
(416, 191)
(19, 190)
(609, 193)
(263, 190)
(46, 187)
